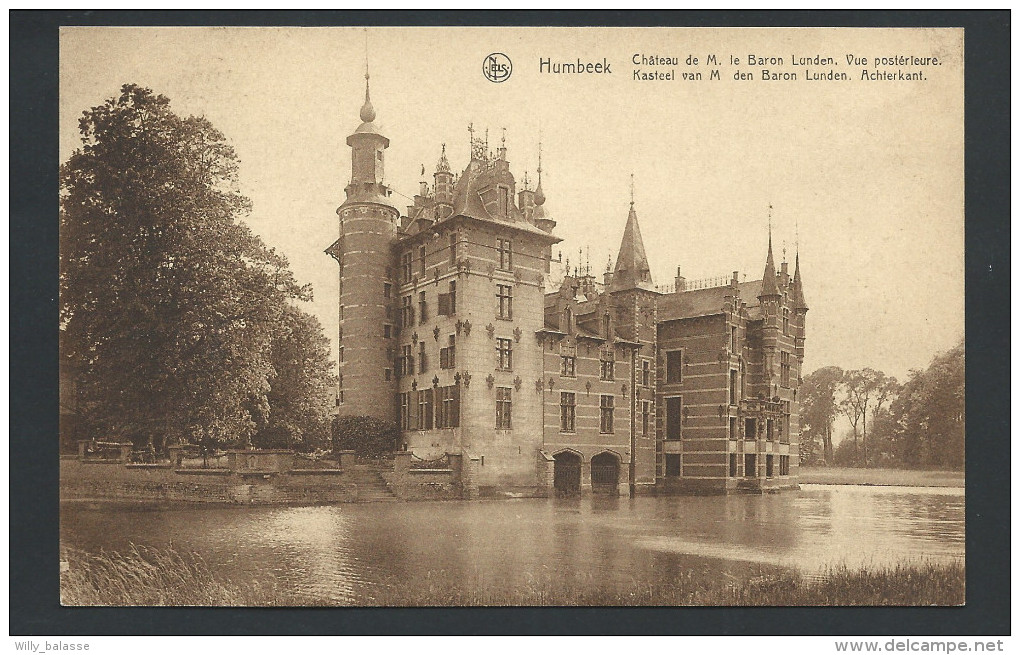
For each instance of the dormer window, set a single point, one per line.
(567, 327)
(504, 200)
(605, 326)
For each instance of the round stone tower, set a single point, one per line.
(368, 312)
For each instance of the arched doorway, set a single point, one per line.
(605, 474)
(567, 473)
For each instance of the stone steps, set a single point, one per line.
(371, 486)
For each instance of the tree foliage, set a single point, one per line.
(818, 413)
(366, 435)
(299, 394)
(920, 423)
(169, 302)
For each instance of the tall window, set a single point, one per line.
(733, 427)
(448, 407)
(405, 365)
(422, 366)
(421, 261)
(425, 409)
(733, 339)
(448, 301)
(405, 411)
(674, 417)
(504, 408)
(406, 311)
(387, 331)
(673, 465)
(505, 249)
(786, 320)
(504, 354)
(387, 289)
(568, 406)
(423, 313)
(605, 326)
(504, 301)
(674, 366)
(406, 269)
(453, 247)
(568, 366)
(646, 373)
(784, 369)
(733, 386)
(606, 414)
(448, 355)
(646, 417)
(608, 364)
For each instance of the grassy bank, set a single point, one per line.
(144, 576)
(165, 577)
(877, 476)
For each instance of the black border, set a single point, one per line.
(33, 372)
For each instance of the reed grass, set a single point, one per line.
(143, 576)
(149, 576)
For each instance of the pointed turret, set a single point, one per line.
(769, 285)
(540, 215)
(632, 270)
(799, 303)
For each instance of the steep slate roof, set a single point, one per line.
(632, 270)
(769, 285)
(798, 287)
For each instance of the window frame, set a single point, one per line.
(678, 369)
(607, 409)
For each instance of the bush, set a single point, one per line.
(365, 435)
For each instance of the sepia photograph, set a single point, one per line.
(511, 317)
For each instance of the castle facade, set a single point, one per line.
(457, 324)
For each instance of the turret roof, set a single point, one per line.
(632, 270)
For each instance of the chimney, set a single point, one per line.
(680, 281)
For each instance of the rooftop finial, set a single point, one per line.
(503, 140)
(631, 189)
(367, 110)
(539, 194)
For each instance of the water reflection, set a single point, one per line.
(348, 553)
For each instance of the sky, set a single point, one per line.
(865, 177)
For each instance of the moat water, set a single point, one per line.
(348, 553)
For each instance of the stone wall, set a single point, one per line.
(84, 480)
(458, 480)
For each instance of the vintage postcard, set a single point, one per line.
(513, 316)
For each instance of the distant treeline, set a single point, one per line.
(917, 424)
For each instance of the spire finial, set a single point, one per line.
(502, 141)
(539, 194)
(631, 189)
(367, 110)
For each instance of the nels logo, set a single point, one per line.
(497, 67)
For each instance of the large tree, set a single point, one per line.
(928, 417)
(301, 389)
(818, 398)
(168, 301)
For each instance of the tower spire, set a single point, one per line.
(539, 194)
(798, 284)
(769, 287)
(632, 270)
(367, 110)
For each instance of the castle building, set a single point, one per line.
(457, 324)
